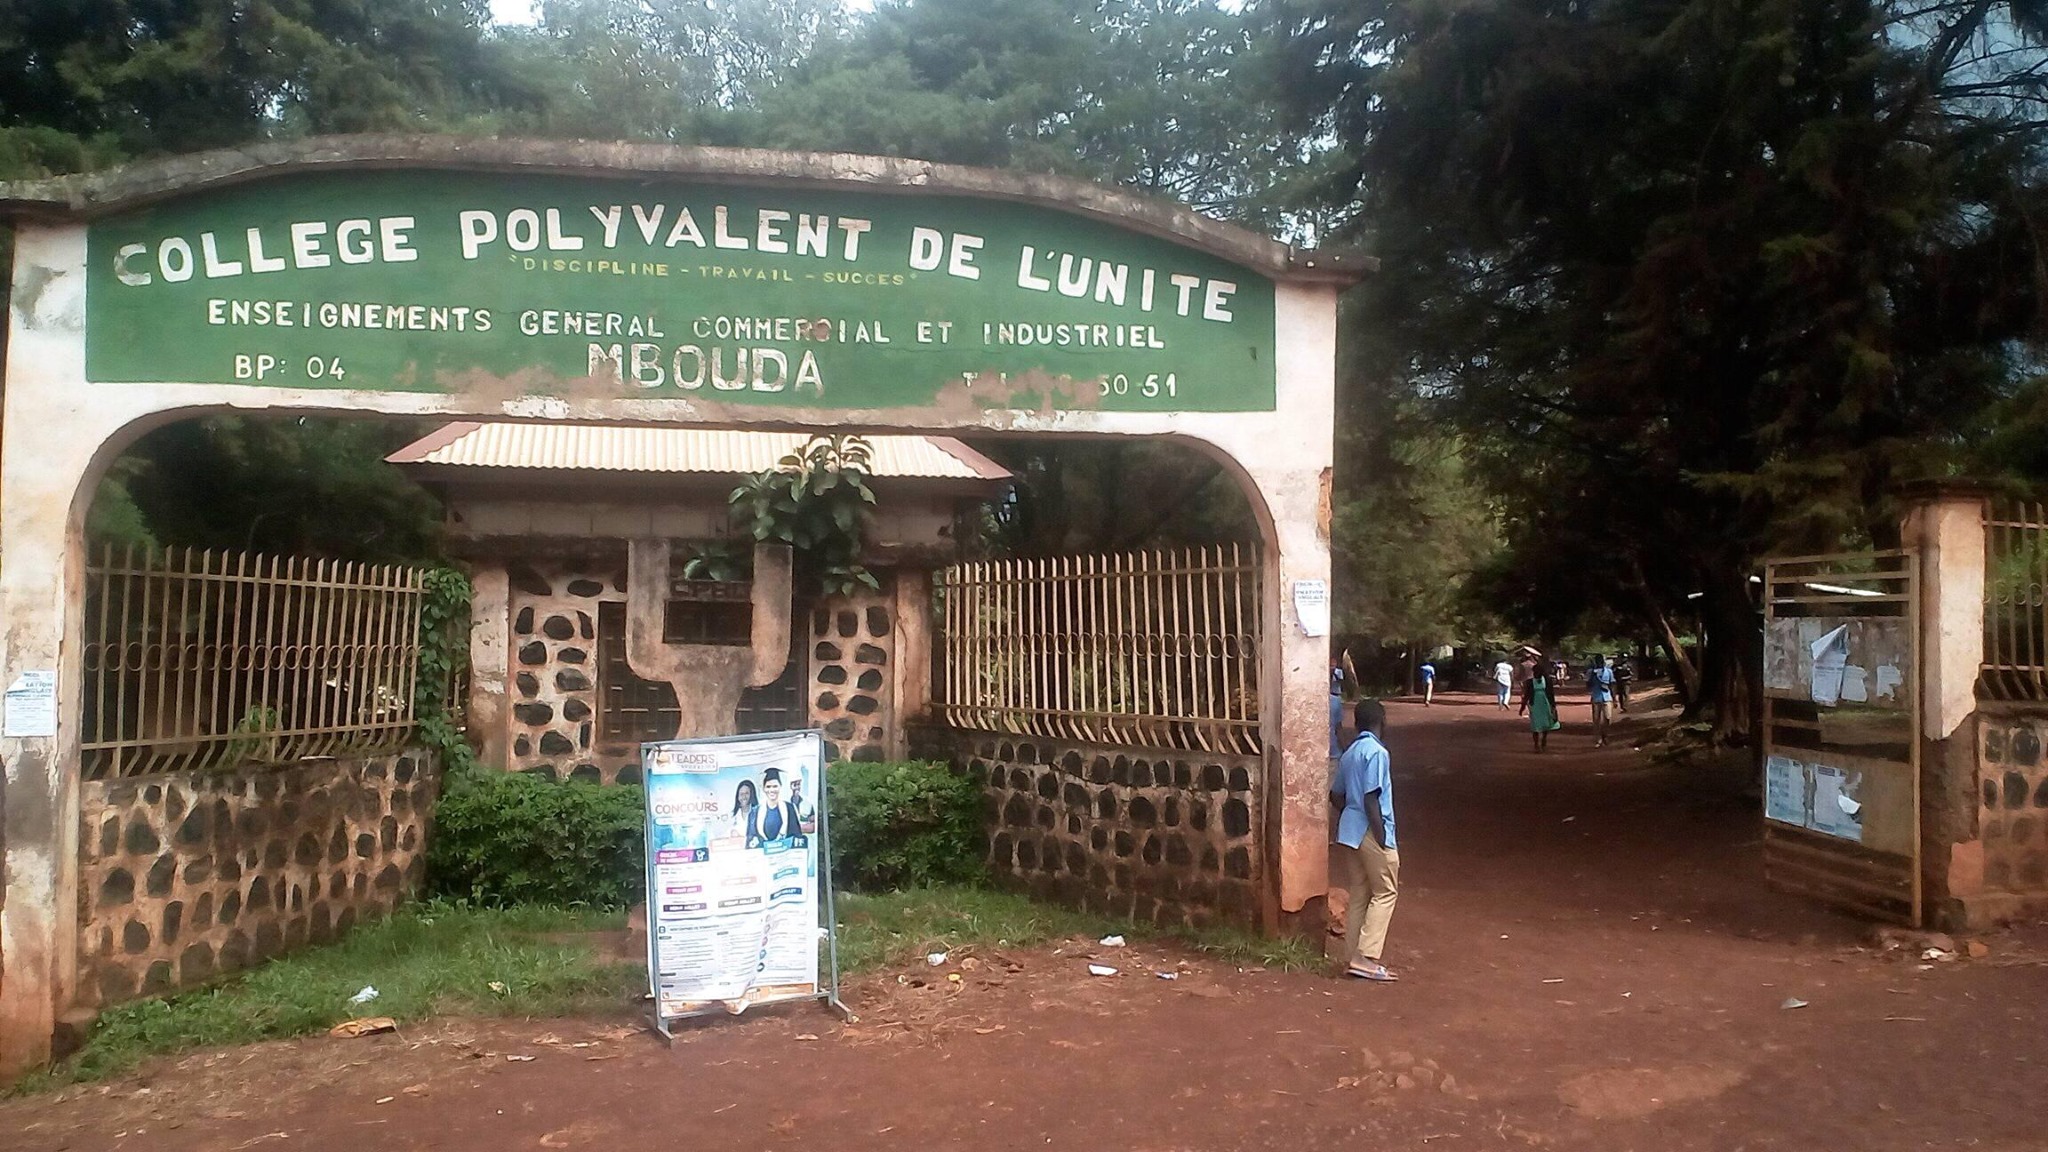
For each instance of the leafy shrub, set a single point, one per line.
(503, 838)
(902, 825)
(507, 838)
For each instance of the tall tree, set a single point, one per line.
(146, 76)
(1175, 98)
(1702, 278)
(306, 486)
(662, 69)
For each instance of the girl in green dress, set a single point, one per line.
(1538, 693)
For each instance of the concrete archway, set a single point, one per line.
(188, 285)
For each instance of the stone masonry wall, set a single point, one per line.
(554, 674)
(2013, 812)
(190, 875)
(1160, 836)
(853, 640)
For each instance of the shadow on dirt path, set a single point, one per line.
(1589, 959)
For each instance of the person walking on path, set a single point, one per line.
(1531, 661)
(1428, 671)
(1539, 698)
(1600, 690)
(1363, 794)
(1503, 682)
(1624, 675)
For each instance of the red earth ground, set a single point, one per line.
(1589, 960)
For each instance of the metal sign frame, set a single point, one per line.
(1858, 601)
(828, 908)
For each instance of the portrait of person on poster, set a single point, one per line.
(745, 802)
(799, 798)
(776, 818)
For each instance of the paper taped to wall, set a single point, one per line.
(1830, 653)
(32, 704)
(1312, 606)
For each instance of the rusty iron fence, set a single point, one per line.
(1156, 649)
(2015, 603)
(197, 660)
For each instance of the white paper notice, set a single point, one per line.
(1836, 810)
(1830, 653)
(32, 704)
(1312, 606)
(1855, 684)
(1785, 790)
(1888, 681)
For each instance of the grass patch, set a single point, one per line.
(881, 929)
(440, 959)
(878, 930)
(426, 960)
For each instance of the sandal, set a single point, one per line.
(1375, 972)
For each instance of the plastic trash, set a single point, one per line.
(1101, 970)
(935, 958)
(1793, 1002)
(368, 994)
(1112, 941)
(1167, 975)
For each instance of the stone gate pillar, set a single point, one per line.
(1945, 523)
(51, 434)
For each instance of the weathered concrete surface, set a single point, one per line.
(912, 672)
(1947, 527)
(48, 442)
(1287, 469)
(490, 658)
(708, 679)
(96, 194)
(60, 432)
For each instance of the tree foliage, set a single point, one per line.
(87, 81)
(817, 501)
(1700, 279)
(671, 70)
(306, 486)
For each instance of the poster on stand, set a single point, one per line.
(736, 875)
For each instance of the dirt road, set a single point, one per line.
(1589, 961)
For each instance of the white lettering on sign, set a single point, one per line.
(225, 312)
(306, 251)
(481, 233)
(352, 238)
(256, 252)
(1070, 275)
(930, 248)
(692, 366)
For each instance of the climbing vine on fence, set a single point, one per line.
(444, 653)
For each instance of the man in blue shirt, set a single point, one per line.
(1600, 689)
(1362, 792)
(1428, 671)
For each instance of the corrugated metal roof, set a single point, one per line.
(606, 448)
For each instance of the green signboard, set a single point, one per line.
(441, 282)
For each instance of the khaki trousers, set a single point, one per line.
(1372, 882)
